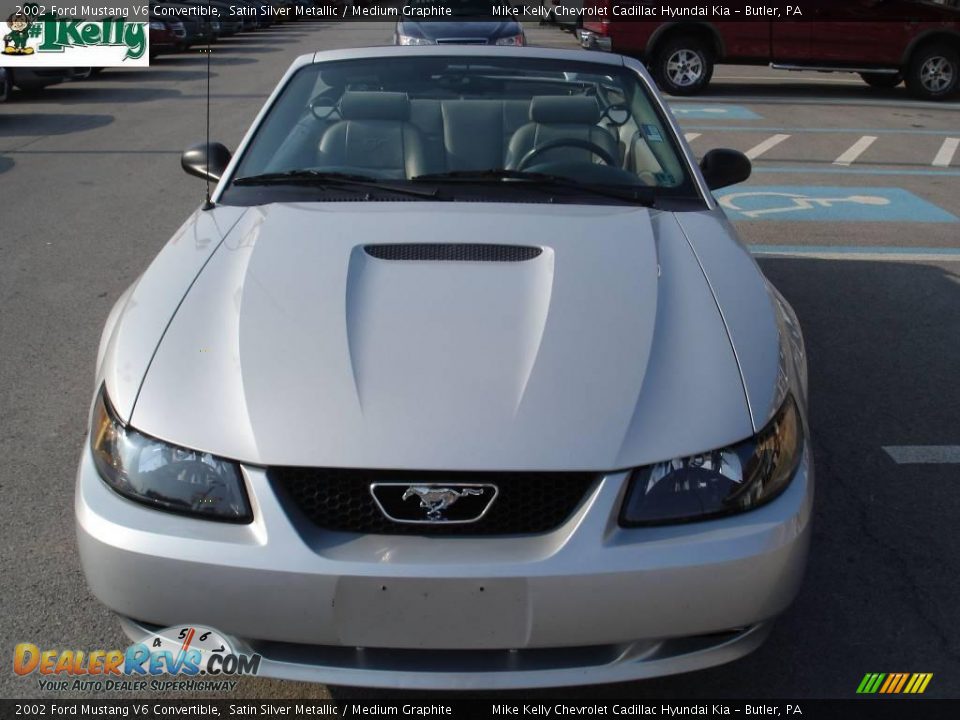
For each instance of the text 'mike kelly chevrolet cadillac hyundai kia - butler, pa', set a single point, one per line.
(461, 380)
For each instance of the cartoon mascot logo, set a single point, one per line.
(15, 41)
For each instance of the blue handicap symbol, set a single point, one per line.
(822, 203)
(712, 111)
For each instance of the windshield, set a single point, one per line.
(463, 124)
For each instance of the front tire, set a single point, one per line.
(934, 72)
(683, 66)
(882, 80)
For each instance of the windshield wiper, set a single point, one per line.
(325, 180)
(640, 194)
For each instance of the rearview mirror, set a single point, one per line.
(205, 161)
(722, 167)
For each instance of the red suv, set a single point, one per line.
(885, 41)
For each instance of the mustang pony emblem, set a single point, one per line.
(436, 500)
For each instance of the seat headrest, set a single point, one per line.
(564, 109)
(366, 105)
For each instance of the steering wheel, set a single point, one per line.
(591, 147)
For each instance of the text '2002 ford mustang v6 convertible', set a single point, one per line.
(461, 380)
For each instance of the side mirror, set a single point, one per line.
(723, 167)
(205, 161)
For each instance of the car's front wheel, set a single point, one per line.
(934, 72)
(882, 80)
(683, 66)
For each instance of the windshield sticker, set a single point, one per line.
(652, 133)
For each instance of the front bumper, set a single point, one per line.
(587, 603)
(590, 40)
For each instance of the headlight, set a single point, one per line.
(163, 476)
(512, 40)
(411, 40)
(721, 482)
(156, 26)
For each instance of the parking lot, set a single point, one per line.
(853, 211)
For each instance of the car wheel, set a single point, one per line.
(683, 66)
(882, 80)
(934, 72)
(6, 86)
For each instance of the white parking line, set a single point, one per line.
(924, 454)
(849, 156)
(691, 136)
(771, 142)
(946, 152)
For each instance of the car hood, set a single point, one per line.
(296, 346)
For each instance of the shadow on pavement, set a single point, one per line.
(769, 92)
(200, 58)
(222, 48)
(31, 124)
(245, 41)
(155, 73)
(76, 93)
(6, 164)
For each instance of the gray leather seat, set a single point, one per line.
(468, 133)
(375, 134)
(561, 117)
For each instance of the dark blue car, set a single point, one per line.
(462, 22)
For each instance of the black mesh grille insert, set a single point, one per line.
(527, 502)
(456, 252)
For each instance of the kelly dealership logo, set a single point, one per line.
(33, 37)
(185, 652)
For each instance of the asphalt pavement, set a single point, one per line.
(853, 211)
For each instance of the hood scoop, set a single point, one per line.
(452, 252)
(297, 345)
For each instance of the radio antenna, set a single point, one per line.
(208, 205)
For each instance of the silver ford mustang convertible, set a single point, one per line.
(461, 380)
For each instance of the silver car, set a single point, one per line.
(461, 379)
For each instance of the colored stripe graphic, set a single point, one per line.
(894, 683)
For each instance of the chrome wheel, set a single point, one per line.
(685, 68)
(936, 74)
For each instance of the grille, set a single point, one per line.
(462, 41)
(456, 252)
(338, 499)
